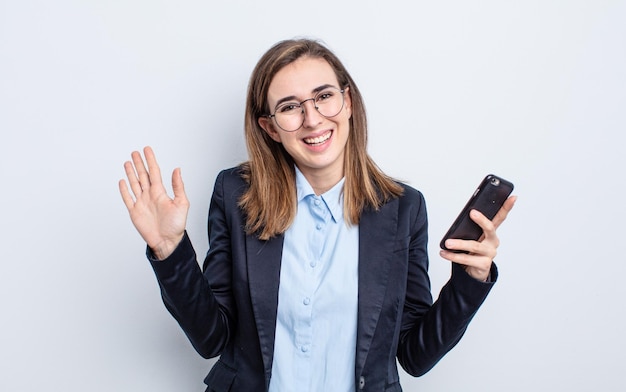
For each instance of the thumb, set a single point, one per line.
(177, 185)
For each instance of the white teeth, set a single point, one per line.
(319, 139)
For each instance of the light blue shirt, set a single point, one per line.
(316, 322)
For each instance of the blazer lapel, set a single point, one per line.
(377, 231)
(376, 238)
(263, 260)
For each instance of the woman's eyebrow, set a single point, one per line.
(322, 87)
(294, 98)
(286, 99)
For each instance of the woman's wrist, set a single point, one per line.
(165, 248)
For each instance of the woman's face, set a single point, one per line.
(318, 146)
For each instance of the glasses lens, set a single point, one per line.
(290, 115)
(329, 102)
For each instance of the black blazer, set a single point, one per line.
(229, 308)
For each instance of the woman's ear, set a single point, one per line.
(268, 127)
(348, 101)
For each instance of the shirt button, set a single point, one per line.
(306, 301)
(361, 382)
(317, 202)
(318, 226)
(304, 348)
(313, 264)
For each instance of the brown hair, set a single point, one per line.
(270, 202)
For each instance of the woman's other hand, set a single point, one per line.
(159, 219)
(478, 261)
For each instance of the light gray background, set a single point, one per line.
(534, 91)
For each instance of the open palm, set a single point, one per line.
(159, 219)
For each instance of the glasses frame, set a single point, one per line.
(303, 112)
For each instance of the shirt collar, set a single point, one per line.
(333, 198)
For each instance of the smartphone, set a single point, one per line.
(488, 199)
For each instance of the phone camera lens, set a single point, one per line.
(495, 182)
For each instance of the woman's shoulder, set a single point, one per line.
(410, 193)
(412, 205)
(233, 178)
(235, 173)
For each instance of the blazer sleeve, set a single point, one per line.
(201, 303)
(429, 330)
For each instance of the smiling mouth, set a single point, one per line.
(315, 141)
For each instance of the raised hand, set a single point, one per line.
(478, 261)
(159, 219)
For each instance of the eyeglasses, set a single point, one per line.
(289, 116)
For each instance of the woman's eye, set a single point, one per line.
(324, 96)
(289, 108)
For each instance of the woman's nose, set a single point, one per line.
(312, 116)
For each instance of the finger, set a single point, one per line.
(481, 220)
(504, 211)
(142, 172)
(131, 174)
(477, 260)
(126, 196)
(489, 229)
(178, 186)
(474, 248)
(154, 171)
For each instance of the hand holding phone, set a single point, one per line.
(488, 199)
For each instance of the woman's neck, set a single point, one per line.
(322, 182)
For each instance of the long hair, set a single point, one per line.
(270, 202)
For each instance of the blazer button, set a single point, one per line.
(361, 382)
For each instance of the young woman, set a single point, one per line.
(316, 278)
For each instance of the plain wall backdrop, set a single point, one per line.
(534, 91)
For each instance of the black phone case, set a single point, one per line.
(488, 199)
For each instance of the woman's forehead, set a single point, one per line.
(301, 78)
